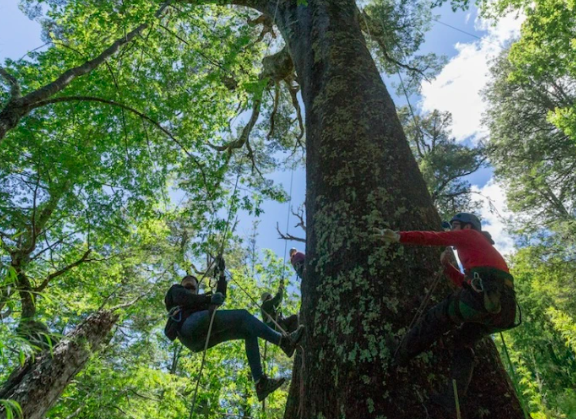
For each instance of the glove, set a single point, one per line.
(217, 299)
(220, 265)
(445, 257)
(386, 235)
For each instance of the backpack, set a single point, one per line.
(174, 317)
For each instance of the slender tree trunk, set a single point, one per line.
(38, 384)
(358, 295)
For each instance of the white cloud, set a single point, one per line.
(457, 88)
(494, 214)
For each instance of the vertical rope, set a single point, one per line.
(514, 377)
(288, 220)
(456, 401)
(213, 309)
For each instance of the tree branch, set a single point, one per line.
(130, 303)
(246, 131)
(56, 274)
(300, 216)
(367, 25)
(17, 109)
(70, 75)
(15, 92)
(288, 236)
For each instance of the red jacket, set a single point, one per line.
(474, 249)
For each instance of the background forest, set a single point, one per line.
(141, 135)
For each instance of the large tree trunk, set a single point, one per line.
(357, 294)
(38, 384)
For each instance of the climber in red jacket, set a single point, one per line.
(483, 303)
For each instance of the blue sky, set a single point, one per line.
(456, 89)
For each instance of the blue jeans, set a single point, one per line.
(228, 325)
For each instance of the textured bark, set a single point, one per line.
(358, 295)
(38, 384)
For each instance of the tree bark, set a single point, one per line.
(38, 384)
(358, 296)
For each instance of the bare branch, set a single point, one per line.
(293, 89)
(288, 236)
(300, 216)
(274, 110)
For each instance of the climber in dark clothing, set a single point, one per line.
(298, 261)
(484, 302)
(190, 315)
(270, 309)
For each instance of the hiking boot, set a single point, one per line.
(288, 343)
(266, 386)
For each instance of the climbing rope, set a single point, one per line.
(212, 309)
(255, 302)
(514, 377)
(283, 265)
(288, 221)
(420, 311)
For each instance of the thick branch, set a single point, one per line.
(267, 26)
(68, 76)
(240, 142)
(300, 216)
(17, 109)
(38, 384)
(277, 67)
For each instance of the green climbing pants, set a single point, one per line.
(464, 310)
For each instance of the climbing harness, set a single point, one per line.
(476, 283)
(175, 313)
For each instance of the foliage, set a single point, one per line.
(542, 349)
(546, 52)
(443, 162)
(395, 31)
(89, 182)
(532, 158)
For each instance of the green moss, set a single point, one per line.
(370, 404)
